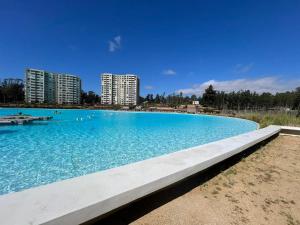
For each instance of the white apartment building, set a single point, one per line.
(68, 89)
(119, 89)
(47, 87)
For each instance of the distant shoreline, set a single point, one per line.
(263, 118)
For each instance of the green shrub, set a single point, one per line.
(276, 118)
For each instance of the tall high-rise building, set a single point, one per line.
(119, 89)
(47, 87)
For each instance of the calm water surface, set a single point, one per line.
(78, 142)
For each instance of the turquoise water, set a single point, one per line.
(78, 142)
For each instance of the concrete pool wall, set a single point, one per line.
(84, 198)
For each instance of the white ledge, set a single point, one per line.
(290, 130)
(81, 199)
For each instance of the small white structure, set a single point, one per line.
(195, 103)
(125, 108)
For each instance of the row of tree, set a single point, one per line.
(11, 92)
(239, 100)
(171, 100)
(242, 100)
(89, 97)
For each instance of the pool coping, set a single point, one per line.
(80, 199)
(288, 130)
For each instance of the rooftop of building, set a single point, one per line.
(112, 74)
(54, 73)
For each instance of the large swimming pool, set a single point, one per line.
(78, 142)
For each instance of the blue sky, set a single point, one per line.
(172, 45)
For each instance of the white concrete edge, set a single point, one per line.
(293, 135)
(81, 199)
(288, 130)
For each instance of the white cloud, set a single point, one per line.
(240, 68)
(114, 44)
(149, 87)
(265, 84)
(169, 72)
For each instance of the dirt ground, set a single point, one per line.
(263, 188)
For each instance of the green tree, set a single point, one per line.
(11, 93)
(89, 98)
(194, 98)
(209, 97)
(157, 99)
(297, 100)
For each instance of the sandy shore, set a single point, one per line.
(263, 188)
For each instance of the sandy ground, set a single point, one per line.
(263, 188)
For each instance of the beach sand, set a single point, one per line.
(263, 188)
